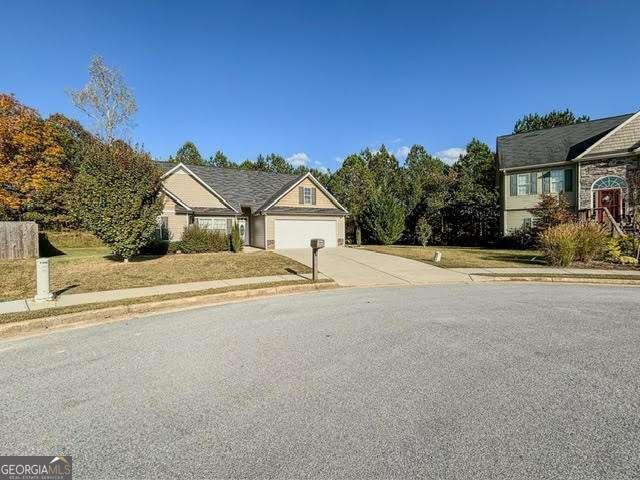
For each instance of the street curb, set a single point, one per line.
(129, 312)
(597, 281)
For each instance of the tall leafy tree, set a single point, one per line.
(33, 163)
(384, 218)
(106, 99)
(473, 206)
(219, 159)
(425, 182)
(115, 196)
(555, 118)
(353, 184)
(188, 154)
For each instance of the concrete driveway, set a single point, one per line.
(359, 267)
(500, 381)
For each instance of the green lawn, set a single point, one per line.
(465, 257)
(91, 269)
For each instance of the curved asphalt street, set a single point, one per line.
(456, 381)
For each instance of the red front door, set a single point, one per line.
(611, 200)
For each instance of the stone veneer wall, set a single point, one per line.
(625, 167)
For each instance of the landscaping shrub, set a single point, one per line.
(384, 219)
(627, 260)
(115, 196)
(628, 245)
(201, 240)
(235, 240)
(584, 242)
(559, 244)
(522, 237)
(423, 231)
(552, 210)
(591, 242)
(613, 252)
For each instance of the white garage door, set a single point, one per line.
(297, 233)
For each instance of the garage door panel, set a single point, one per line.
(296, 233)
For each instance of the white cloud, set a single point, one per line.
(320, 166)
(298, 159)
(450, 155)
(402, 152)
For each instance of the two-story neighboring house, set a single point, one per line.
(596, 164)
(273, 211)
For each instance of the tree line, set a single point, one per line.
(61, 175)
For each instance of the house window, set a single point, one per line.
(524, 184)
(307, 195)
(162, 228)
(219, 224)
(557, 181)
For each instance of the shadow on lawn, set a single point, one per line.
(525, 259)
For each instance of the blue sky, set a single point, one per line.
(315, 81)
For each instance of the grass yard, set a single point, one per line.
(465, 257)
(91, 269)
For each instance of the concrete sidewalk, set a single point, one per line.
(547, 270)
(70, 299)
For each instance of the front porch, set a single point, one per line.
(611, 198)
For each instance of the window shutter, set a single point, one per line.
(313, 196)
(568, 180)
(300, 195)
(546, 182)
(533, 183)
(513, 178)
(229, 224)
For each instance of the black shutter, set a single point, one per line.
(300, 195)
(568, 180)
(533, 183)
(513, 179)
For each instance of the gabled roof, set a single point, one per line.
(245, 188)
(553, 145)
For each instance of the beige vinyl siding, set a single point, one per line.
(256, 231)
(271, 219)
(516, 207)
(175, 222)
(292, 199)
(622, 139)
(190, 191)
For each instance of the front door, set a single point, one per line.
(611, 200)
(244, 231)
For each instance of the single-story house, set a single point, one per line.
(273, 211)
(596, 164)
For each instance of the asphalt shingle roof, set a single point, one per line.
(552, 145)
(243, 188)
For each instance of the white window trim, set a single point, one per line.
(213, 220)
(526, 184)
(307, 195)
(556, 181)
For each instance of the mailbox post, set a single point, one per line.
(316, 244)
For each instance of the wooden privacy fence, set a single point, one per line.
(18, 240)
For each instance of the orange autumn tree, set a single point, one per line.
(32, 161)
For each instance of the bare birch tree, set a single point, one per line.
(106, 99)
